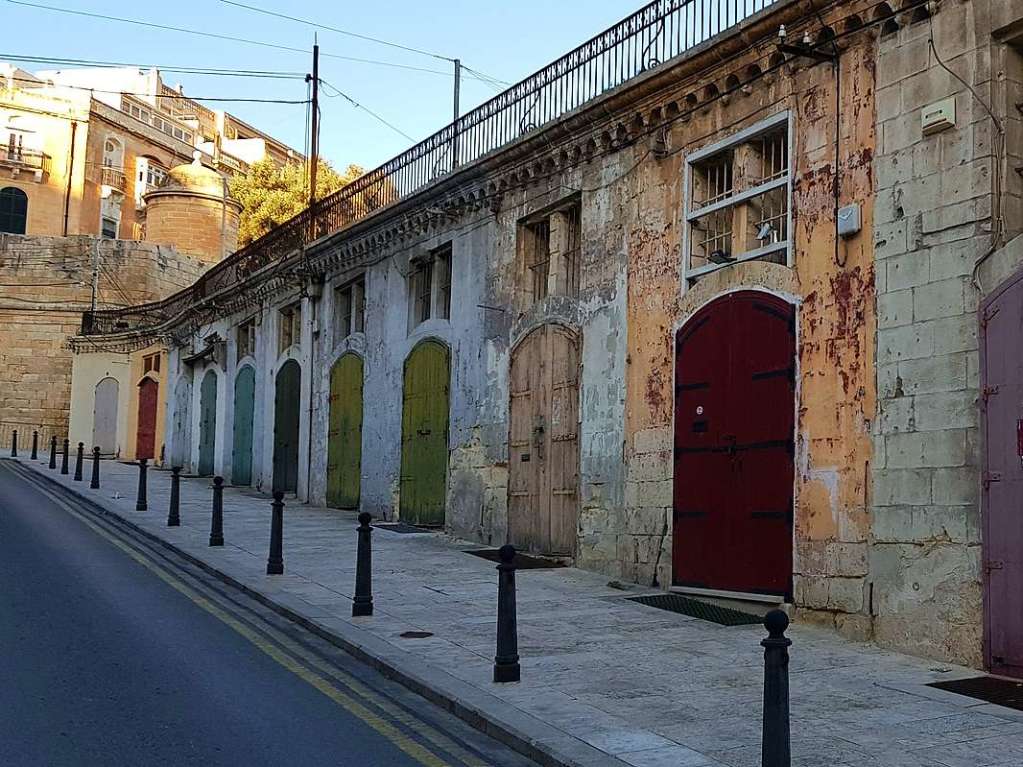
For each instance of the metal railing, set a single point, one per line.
(27, 159)
(113, 177)
(653, 35)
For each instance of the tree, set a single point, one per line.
(270, 194)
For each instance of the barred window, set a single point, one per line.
(549, 245)
(246, 338)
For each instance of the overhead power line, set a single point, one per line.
(165, 68)
(357, 105)
(166, 96)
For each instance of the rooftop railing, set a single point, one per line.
(653, 35)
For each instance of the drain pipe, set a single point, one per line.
(314, 290)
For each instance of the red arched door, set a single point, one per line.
(734, 419)
(145, 440)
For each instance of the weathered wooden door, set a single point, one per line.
(181, 429)
(344, 438)
(543, 505)
(241, 450)
(145, 437)
(207, 422)
(734, 420)
(424, 435)
(1002, 497)
(104, 416)
(287, 404)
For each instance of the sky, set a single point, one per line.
(503, 40)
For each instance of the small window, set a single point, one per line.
(290, 327)
(108, 228)
(349, 309)
(550, 248)
(13, 210)
(442, 268)
(246, 339)
(151, 363)
(538, 257)
(422, 291)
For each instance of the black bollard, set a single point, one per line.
(362, 604)
(217, 526)
(776, 748)
(506, 662)
(63, 458)
(173, 516)
(53, 452)
(79, 461)
(141, 503)
(14, 444)
(275, 562)
(95, 469)
(35, 446)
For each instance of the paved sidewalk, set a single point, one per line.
(606, 681)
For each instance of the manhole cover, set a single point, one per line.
(1002, 692)
(399, 527)
(416, 634)
(694, 608)
(522, 561)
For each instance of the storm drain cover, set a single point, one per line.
(1001, 692)
(694, 608)
(399, 527)
(416, 634)
(522, 561)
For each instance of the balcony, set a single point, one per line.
(20, 160)
(113, 179)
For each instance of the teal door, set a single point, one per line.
(244, 399)
(286, 410)
(207, 422)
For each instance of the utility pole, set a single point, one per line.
(458, 113)
(314, 138)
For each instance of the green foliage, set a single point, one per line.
(271, 194)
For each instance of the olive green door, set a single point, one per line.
(286, 414)
(244, 402)
(344, 436)
(424, 435)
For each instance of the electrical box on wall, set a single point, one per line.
(849, 220)
(939, 116)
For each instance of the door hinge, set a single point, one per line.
(986, 318)
(988, 391)
(991, 476)
(993, 565)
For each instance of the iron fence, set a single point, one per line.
(653, 35)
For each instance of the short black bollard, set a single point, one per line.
(63, 458)
(14, 444)
(776, 747)
(79, 461)
(275, 562)
(142, 503)
(95, 469)
(35, 446)
(53, 452)
(173, 516)
(506, 662)
(217, 526)
(362, 604)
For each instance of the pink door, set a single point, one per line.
(1001, 349)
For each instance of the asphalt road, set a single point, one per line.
(114, 652)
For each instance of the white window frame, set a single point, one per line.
(738, 197)
(289, 316)
(344, 327)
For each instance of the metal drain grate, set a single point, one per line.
(399, 527)
(1001, 692)
(522, 561)
(694, 608)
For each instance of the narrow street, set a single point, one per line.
(114, 651)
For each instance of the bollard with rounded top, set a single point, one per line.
(53, 452)
(95, 469)
(275, 562)
(35, 446)
(217, 525)
(506, 662)
(362, 604)
(142, 502)
(173, 515)
(63, 457)
(79, 461)
(14, 444)
(776, 749)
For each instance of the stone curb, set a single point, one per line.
(487, 713)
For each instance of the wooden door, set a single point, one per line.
(287, 405)
(244, 404)
(543, 505)
(344, 437)
(424, 435)
(734, 426)
(181, 428)
(104, 416)
(145, 437)
(1001, 331)
(207, 422)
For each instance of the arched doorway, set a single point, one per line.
(424, 435)
(287, 405)
(181, 428)
(344, 437)
(244, 402)
(543, 460)
(145, 434)
(734, 423)
(13, 210)
(104, 416)
(207, 423)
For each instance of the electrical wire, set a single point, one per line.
(176, 96)
(258, 73)
(357, 105)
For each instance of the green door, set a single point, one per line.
(344, 438)
(286, 409)
(244, 399)
(424, 435)
(207, 422)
